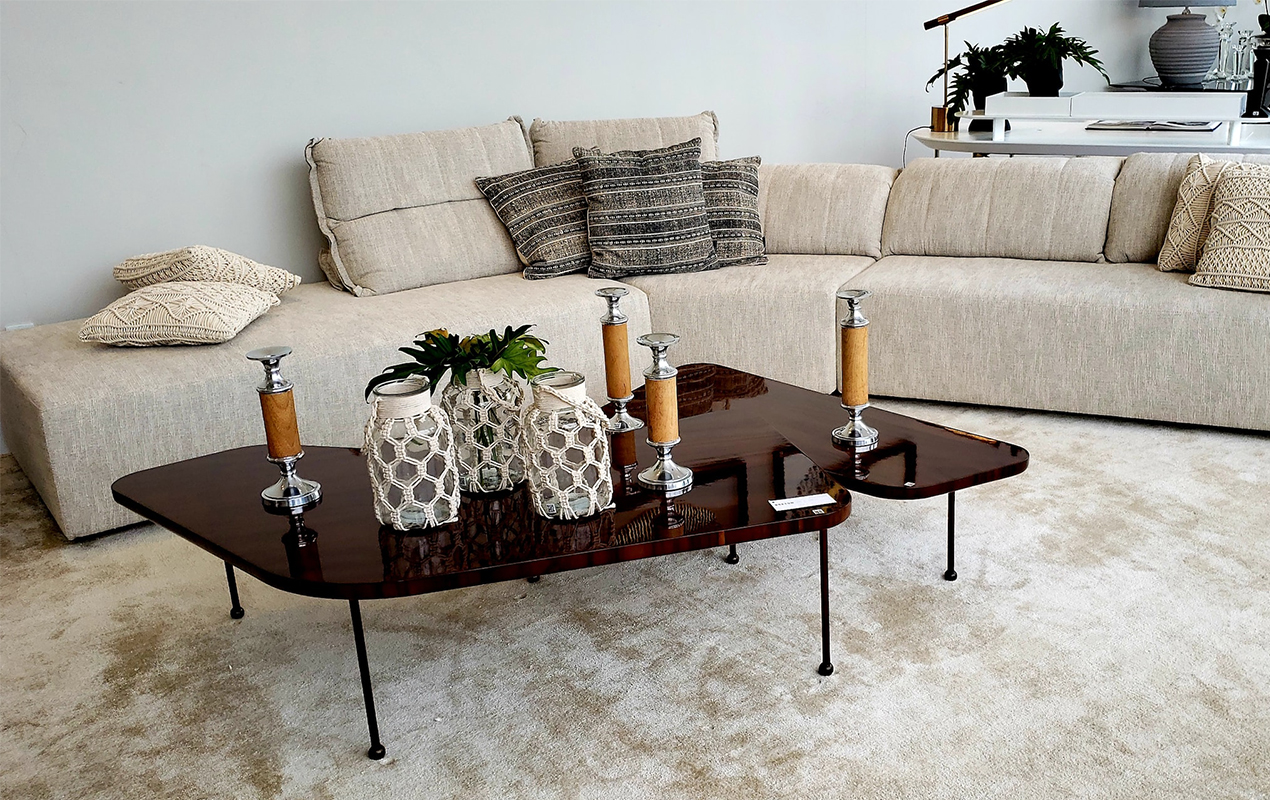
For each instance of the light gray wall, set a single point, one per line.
(129, 128)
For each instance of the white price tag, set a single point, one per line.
(810, 501)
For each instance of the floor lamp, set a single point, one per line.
(939, 116)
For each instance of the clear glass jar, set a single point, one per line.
(409, 447)
(486, 417)
(567, 448)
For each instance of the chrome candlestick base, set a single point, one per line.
(665, 476)
(291, 491)
(622, 421)
(856, 434)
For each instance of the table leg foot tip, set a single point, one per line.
(950, 575)
(376, 752)
(237, 613)
(732, 558)
(825, 669)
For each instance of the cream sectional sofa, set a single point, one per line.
(1015, 282)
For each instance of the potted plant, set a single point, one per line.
(979, 72)
(1037, 57)
(482, 398)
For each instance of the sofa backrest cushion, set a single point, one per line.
(1052, 209)
(1143, 200)
(553, 142)
(400, 212)
(824, 209)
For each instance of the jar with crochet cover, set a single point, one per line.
(485, 412)
(566, 449)
(409, 447)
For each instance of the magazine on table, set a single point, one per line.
(1149, 125)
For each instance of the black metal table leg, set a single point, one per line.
(236, 611)
(826, 666)
(951, 574)
(376, 750)
(732, 557)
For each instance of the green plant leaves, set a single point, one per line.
(513, 352)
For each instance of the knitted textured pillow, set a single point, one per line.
(545, 213)
(185, 312)
(1188, 227)
(731, 190)
(201, 263)
(1237, 253)
(646, 211)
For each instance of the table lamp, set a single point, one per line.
(1184, 49)
(939, 116)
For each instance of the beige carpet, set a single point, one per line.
(1109, 637)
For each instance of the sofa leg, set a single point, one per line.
(236, 611)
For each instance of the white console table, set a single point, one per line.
(1056, 125)
(1031, 137)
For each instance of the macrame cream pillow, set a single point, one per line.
(1237, 253)
(184, 312)
(201, 263)
(1188, 227)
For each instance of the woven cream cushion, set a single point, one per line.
(202, 263)
(1188, 227)
(1237, 253)
(182, 312)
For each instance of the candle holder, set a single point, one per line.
(277, 405)
(617, 361)
(664, 476)
(855, 374)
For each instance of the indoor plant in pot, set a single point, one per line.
(483, 397)
(974, 75)
(1037, 57)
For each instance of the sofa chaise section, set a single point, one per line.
(78, 417)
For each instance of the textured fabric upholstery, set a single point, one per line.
(553, 141)
(1039, 208)
(400, 212)
(106, 412)
(1143, 200)
(824, 209)
(545, 213)
(731, 190)
(777, 319)
(178, 313)
(1237, 253)
(202, 263)
(1124, 340)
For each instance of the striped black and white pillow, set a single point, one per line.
(545, 213)
(731, 189)
(646, 211)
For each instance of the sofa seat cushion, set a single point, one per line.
(778, 319)
(824, 209)
(400, 212)
(1143, 201)
(1028, 208)
(553, 141)
(1123, 340)
(105, 412)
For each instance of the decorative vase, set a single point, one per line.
(567, 449)
(1044, 80)
(485, 413)
(980, 90)
(1184, 49)
(410, 454)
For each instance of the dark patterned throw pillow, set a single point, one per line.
(731, 189)
(545, 213)
(646, 211)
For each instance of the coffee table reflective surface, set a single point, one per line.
(747, 439)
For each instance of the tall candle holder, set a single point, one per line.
(277, 405)
(855, 374)
(664, 476)
(617, 361)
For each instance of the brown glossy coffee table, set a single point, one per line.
(747, 439)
